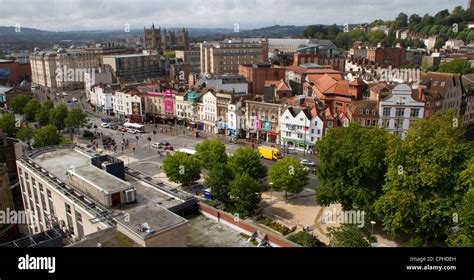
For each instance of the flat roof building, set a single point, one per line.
(91, 193)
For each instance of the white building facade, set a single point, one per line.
(300, 129)
(399, 110)
(209, 101)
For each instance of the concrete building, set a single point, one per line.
(300, 128)
(102, 99)
(129, 106)
(236, 119)
(62, 68)
(43, 69)
(134, 67)
(101, 75)
(263, 121)
(320, 55)
(228, 83)
(399, 110)
(161, 105)
(258, 74)
(224, 57)
(209, 101)
(8, 231)
(468, 104)
(191, 57)
(441, 92)
(92, 193)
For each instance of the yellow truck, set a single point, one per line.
(269, 153)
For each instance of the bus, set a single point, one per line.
(136, 126)
(187, 151)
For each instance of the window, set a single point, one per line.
(400, 112)
(415, 113)
(374, 123)
(386, 112)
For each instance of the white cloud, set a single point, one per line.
(113, 14)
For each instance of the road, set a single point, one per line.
(145, 158)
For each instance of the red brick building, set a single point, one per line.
(385, 57)
(13, 73)
(258, 74)
(335, 94)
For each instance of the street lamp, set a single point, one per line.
(373, 224)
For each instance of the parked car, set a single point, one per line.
(104, 125)
(74, 99)
(113, 126)
(105, 119)
(64, 94)
(307, 162)
(122, 129)
(132, 131)
(163, 145)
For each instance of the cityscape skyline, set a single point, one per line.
(114, 15)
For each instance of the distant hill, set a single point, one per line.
(275, 31)
(30, 35)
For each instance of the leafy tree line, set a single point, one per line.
(235, 180)
(444, 24)
(50, 120)
(419, 187)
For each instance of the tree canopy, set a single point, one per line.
(247, 160)
(211, 153)
(288, 175)
(182, 168)
(46, 136)
(8, 125)
(352, 168)
(245, 193)
(423, 186)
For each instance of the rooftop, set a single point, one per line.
(101, 179)
(150, 220)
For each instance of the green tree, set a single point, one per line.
(8, 125)
(456, 66)
(439, 43)
(30, 109)
(288, 175)
(422, 182)
(182, 168)
(210, 153)
(46, 136)
(19, 103)
(462, 234)
(377, 36)
(218, 180)
(348, 236)
(76, 118)
(245, 193)
(351, 169)
(247, 160)
(343, 40)
(306, 239)
(57, 116)
(42, 114)
(25, 133)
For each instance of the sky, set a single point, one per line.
(67, 15)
